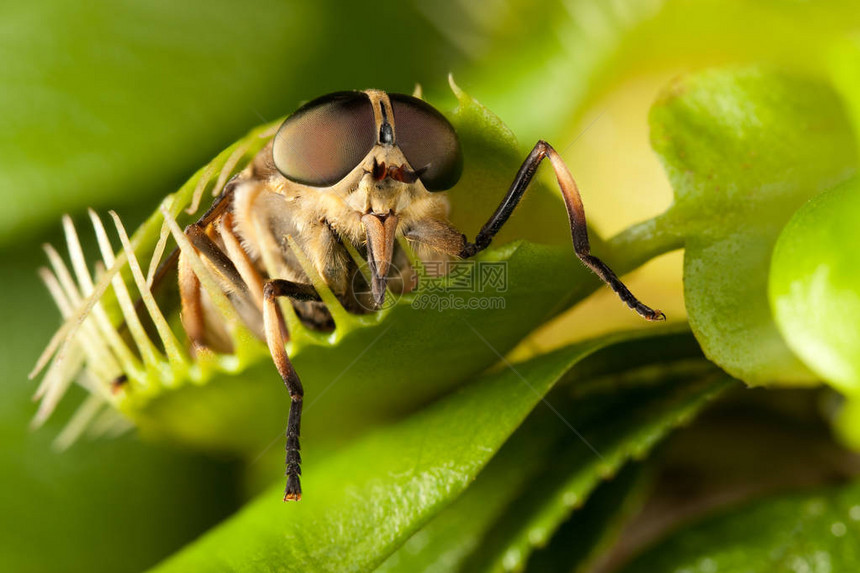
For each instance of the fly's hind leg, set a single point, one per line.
(276, 335)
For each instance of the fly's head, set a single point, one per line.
(374, 155)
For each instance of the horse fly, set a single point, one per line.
(362, 168)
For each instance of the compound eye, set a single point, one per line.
(325, 139)
(428, 141)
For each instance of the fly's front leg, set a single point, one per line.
(236, 275)
(576, 215)
(276, 336)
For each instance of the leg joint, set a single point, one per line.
(280, 287)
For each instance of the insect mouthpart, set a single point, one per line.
(380, 230)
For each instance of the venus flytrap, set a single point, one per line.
(152, 377)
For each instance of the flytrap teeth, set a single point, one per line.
(89, 348)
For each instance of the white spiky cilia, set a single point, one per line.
(88, 348)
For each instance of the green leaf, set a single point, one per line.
(368, 498)
(373, 371)
(744, 148)
(815, 286)
(815, 294)
(543, 474)
(815, 531)
(589, 533)
(620, 426)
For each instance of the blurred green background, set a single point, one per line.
(115, 104)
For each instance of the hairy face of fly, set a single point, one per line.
(386, 185)
(374, 164)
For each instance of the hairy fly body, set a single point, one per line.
(353, 169)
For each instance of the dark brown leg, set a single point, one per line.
(576, 215)
(276, 336)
